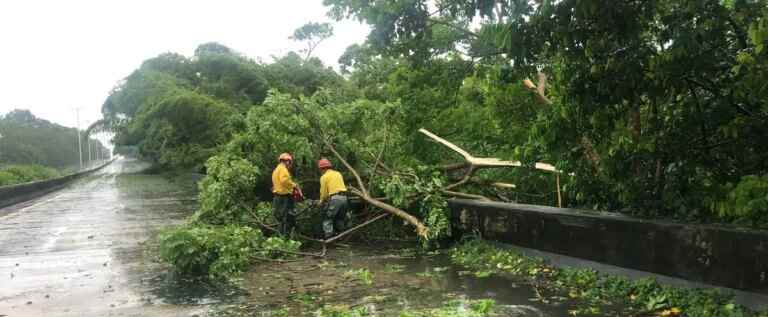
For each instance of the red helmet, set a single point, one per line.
(324, 163)
(285, 157)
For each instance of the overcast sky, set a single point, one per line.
(58, 55)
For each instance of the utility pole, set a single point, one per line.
(98, 152)
(101, 151)
(90, 157)
(88, 139)
(79, 145)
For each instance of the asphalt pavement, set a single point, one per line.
(82, 251)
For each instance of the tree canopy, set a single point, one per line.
(653, 108)
(178, 111)
(649, 103)
(312, 33)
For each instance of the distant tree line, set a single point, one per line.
(27, 139)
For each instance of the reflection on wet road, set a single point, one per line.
(79, 251)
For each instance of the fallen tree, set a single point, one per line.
(471, 165)
(386, 177)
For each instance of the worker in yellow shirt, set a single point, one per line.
(282, 190)
(333, 198)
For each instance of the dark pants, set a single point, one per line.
(335, 215)
(282, 210)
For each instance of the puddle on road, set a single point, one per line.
(393, 282)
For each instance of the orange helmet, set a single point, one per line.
(324, 163)
(285, 157)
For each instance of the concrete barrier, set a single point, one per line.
(14, 194)
(723, 256)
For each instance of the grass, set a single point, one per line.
(19, 174)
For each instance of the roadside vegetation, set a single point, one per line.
(597, 293)
(17, 174)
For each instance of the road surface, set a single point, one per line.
(82, 251)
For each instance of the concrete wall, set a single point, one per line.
(714, 255)
(14, 194)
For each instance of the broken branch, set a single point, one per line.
(476, 163)
(347, 165)
(465, 195)
(421, 229)
(538, 90)
(355, 228)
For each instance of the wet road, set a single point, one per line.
(90, 250)
(81, 251)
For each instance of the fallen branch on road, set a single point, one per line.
(355, 228)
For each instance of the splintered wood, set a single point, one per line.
(476, 163)
(480, 162)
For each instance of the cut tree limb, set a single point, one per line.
(355, 228)
(421, 229)
(538, 90)
(476, 163)
(473, 161)
(465, 195)
(454, 167)
(504, 185)
(348, 166)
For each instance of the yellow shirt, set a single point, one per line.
(281, 180)
(331, 183)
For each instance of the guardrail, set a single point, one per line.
(723, 256)
(14, 194)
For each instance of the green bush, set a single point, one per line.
(17, 174)
(746, 201)
(227, 192)
(218, 251)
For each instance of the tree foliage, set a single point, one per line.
(179, 111)
(654, 108)
(653, 105)
(218, 252)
